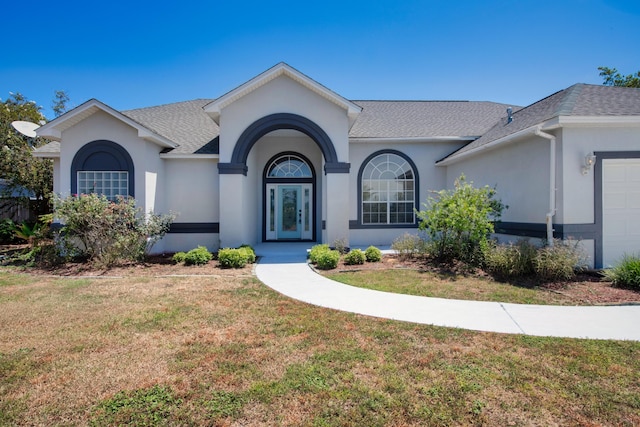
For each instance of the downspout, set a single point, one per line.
(552, 182)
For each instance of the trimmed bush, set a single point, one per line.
(625, 273)
(328, 260)
(557, 262)
(179, 257)
(235, 258)
(250, 254)
(198, 256)
(373, 254)
(355, 257)
(316, 251)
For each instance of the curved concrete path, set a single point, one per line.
(284, 269)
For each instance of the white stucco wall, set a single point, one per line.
(431, 178)
(148, 166)
(520, 173)
(283, 95)
(241, 213)
(578, 190)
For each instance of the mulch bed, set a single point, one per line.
(586, 288)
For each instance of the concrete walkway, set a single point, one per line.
(283, 267)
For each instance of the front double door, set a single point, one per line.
(289, 212)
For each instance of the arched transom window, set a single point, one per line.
(388, 190)
(289, 166)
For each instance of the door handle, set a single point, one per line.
(300, 216)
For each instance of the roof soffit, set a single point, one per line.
(214, 108)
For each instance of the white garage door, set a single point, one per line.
(620, 208)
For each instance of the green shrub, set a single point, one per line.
(510, 260)
(249, 253)
(198, 256)
(179, 257)
(7, 233)
(109, 231)
(234, 258)
(557, 262)
(409, 245)
(316, 251)
(625, 273)
(459, 221)
(328, 260)
(355, 257)
(373, 254)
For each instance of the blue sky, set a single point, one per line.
(142, 53)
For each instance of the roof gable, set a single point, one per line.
(53, 130)
(214, 108)
(580, 103)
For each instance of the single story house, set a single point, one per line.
(283, 158)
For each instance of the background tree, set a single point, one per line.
(59, 104)
(18, 168)
(612, 77)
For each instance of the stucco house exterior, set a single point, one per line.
(283, 158)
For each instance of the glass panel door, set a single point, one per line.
(290, 212)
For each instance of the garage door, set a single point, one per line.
(620, 208)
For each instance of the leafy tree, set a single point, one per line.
(19, 169)
(459, 221)
(612, 77)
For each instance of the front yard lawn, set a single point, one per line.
(226, 350)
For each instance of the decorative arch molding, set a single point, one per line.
(102, 155)
(263, 126)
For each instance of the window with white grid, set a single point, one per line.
(109, 183)
(388, 191)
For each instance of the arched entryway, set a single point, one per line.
(289, 194)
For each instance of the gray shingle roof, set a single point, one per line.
(184, 123)
(425, 119)
(577, 100)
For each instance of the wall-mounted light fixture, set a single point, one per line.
(589, 161)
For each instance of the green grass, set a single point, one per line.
(428, 284)
(230, 351)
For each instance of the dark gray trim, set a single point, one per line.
(266, 180)
(356, 225)
(273, 122)
(416, 189)
(232, 168)
(539, 230)
(597, 195)
(194, 227)
(338, 167)
(102, 155)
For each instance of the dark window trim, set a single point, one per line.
(416, 189)
(117, 151)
